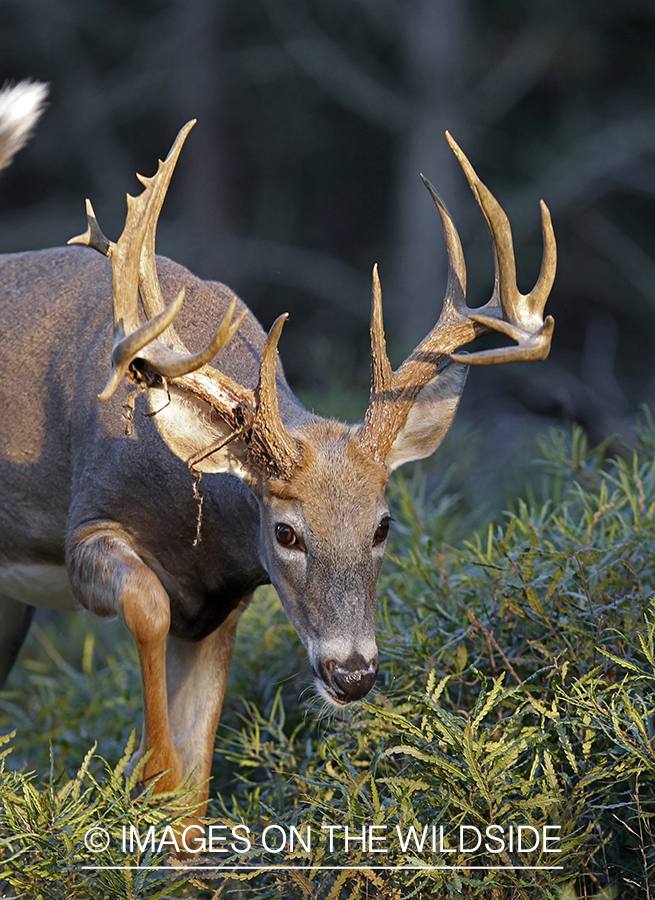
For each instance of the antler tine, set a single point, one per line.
(141, 343)
(453, 328)
(434, 348)
(134, 255)
(520, 316)
(93, 236)
(156, 188)
(456, 285)
(126, 315)
(381, 371)
(270, 438)
(174, 365)
(130, 337)
(392, 393)
(383, 380)
(127, 348)
(540, 292)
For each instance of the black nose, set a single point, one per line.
(350, 680)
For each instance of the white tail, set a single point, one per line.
(104, 515)
(21, 106)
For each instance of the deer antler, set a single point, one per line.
(134, 273)
(508, 311)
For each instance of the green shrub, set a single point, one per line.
(517, 687)
(46, 830)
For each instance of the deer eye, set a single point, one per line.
(382, 531)
(287, 536)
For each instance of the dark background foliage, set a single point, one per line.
(315, 119)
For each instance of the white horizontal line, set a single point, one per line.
(328, 868)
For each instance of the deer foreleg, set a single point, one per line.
(149, 623)
(197, 676)
(109, 578)
(15, 621)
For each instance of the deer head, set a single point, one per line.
(320, 484)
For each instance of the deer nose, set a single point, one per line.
(352, 679)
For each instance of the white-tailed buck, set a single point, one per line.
(105, 509)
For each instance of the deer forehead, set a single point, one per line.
(336, 483)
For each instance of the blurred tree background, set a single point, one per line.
(315, 119)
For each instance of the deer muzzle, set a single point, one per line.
(348, 680)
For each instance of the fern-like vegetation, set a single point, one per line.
(517, 688)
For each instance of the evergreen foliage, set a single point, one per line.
(517, 688)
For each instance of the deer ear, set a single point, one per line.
(196, 434)
(429, 418)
